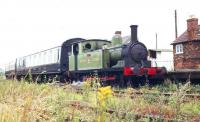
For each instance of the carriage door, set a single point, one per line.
(75, 52)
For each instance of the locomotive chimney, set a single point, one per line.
(134, 33)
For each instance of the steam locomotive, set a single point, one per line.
(78, 59)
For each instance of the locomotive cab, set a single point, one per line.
(88, 54)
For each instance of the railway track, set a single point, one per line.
(137, 116)
(135, 93)
(132, 95)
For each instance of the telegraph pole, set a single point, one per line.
(176, 31)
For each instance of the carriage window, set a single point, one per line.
(50, 56)
(39, 59)
(29, 58)
(24, 62)
(34, 60)
(56, 53)
(18, 63)
(28, 61)
(44, 58)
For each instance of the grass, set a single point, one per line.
(30, 102)
(23, 101)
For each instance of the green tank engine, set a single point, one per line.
(102, 54)
(111, 60)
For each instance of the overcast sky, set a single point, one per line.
(28, 26)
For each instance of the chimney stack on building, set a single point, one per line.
(192, 28)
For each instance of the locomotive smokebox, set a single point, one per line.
(134, 38)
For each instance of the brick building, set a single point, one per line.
(186, 48)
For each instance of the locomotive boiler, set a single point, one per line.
(134, 54)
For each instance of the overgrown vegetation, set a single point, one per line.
(24, 102)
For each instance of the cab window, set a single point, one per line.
(87, 47)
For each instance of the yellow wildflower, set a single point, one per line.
(103, 94)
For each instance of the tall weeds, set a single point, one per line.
(24, 102)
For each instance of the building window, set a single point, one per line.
(179, 48)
